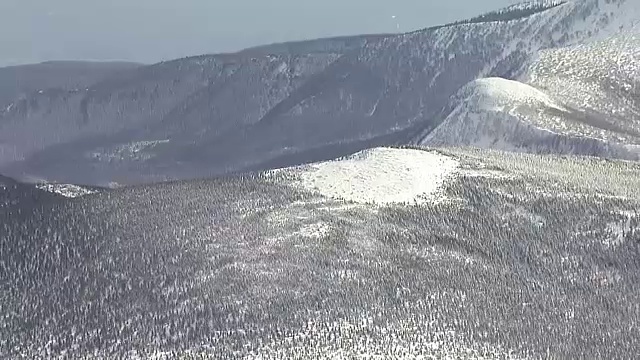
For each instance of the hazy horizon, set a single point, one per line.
(149, 31)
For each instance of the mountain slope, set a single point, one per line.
(573, 100)
(14, 194)
(25, 80)
(510, 115)
(600, 77)
(223, 114)
(496, 255)
(334, 45)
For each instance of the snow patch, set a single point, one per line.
(381, 176)
(316, 230)
(615, 236)
(66, 190)
(498, 93)
(136, 151)
(617, 232)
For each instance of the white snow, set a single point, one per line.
(314, 230)
(615, 236)
(496, 93)
(601, 76)
(66, 190)
(489, 115)
(508, 115)
(381, 176)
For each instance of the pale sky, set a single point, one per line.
(153, 30)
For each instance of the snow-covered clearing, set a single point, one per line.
(381, 176)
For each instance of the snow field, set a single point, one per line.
(381, 176)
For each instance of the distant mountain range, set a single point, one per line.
(549, 77)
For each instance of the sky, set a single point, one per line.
(149, 31)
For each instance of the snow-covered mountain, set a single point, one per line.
(579, 99)
(310, 101)
(388, 253)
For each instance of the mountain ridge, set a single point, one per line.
(287, 104)
(588, 98)
(28, 78)
(425, 252)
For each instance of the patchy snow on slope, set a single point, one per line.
(502, 114)
(314, 230)
(409, 342)
(381, 176)
(601, 77)
(610, 18)
(66, 190)
(139, 150)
